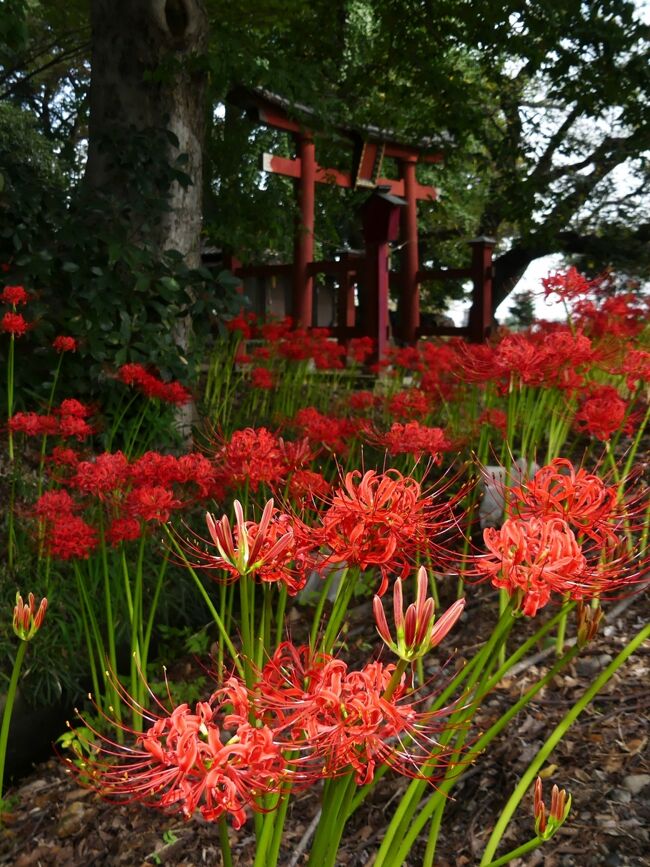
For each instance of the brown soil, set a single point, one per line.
(603, 761)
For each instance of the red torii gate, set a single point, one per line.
(369, 152)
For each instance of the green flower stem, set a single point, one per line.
(336, 803)
(279, 617)
(318, 614)
(341, 603)
(516, 853)
(438, 801)
(138, 660)
(552, 741)
(50, 401)
(278, 827)
(406, 809)
(10, 392)
(8, 710)
(635, 445)
(154, 607)
(224, 842)
(110, 624)
(206, 598)
(245, 587)
(91, 628)
(561, 634)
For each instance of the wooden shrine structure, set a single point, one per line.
(388, 215)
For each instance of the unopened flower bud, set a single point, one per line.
(588, 621)
(27, 619)
(416, 630)
(546, 826)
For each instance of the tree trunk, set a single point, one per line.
(144, 80)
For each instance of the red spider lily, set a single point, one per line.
(408, 404)
(72, 426)
(123, 530)
(262, 378)
(14, 323)
(362, 400)
(534, 558)
(264, 550)
(377, 520)
(560, 808)
(62, 343)
(582, 499)
(152, 386)
(14, 295)
(334, 433)
(296, 454)
(636, 367)
(603, 414)
(339, 719)
(306, 487)
(252, 456)
(33, 424)
(64, 457)
(567, 285)
(187, 762)
(243, 323)
(496, 418)
(414, 439)
(63, 424)
(28, 619)
(53, 503)
(620, 316)
(152, 503)
(417, 632)
(75, 408)
(360, 349)
(69, 537)
(276, 331)
(101, 477)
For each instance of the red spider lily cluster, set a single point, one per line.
(67, 420)
(65, 343)
(152, 386)
(568, 536)
(119, 498)
(12, 322)
(306, 717)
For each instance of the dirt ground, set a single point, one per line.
(603, 761)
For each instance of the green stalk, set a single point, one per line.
(8, 709)
(403, 817)
(110, 626)
(558, 733)
(318, 613)
(234, 655)
(516, 853)
(154, 607)
(224, 842)
(341, 603)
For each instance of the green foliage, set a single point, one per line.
(95, 275)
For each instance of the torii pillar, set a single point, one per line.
(303, 282)
(409, 308)
(381, 215)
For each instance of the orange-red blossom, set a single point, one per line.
(417, 631)
(27, 618)
(545, 826)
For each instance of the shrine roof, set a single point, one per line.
(275, 110)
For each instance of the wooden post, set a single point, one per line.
(380, 226)
(345, 310)
(480, 314)
(303, 282)
(409, 302)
